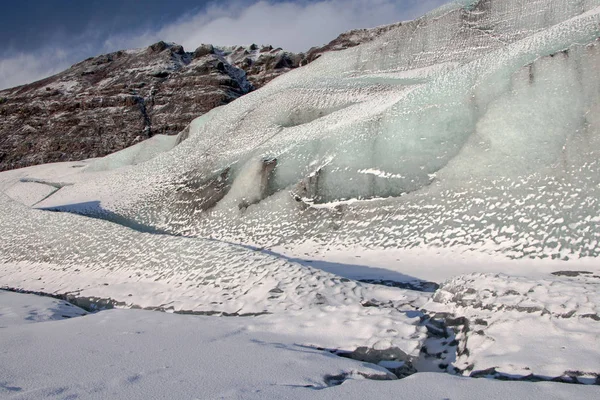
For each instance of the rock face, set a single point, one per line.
(110, 102)
(262, 63)
(107, 103)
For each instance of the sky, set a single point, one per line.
(43, 37)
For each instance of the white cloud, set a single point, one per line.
(20, 68)
(293, 25)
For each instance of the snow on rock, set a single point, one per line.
(109, 102)
(522, 328)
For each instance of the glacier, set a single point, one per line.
(470, 133)
(472, 116)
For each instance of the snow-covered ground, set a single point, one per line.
(17, 309)
(134, 354)
(105, 260)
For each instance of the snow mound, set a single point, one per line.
(17, 309)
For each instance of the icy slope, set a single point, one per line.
(474, 126)
(92, 259)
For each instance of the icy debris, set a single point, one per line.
(559, 298)
(520, 328)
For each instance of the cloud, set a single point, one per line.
(293, 25)
(21, 68)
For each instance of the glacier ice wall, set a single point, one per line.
(474, 126)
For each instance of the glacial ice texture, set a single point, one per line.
(474, 126)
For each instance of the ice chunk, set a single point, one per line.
(518, 327)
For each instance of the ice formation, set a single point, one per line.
(475, 127)
(494, 308)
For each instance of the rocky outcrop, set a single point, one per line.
(110, 102)
(261, 63)
(349, 39)
(107, 103)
